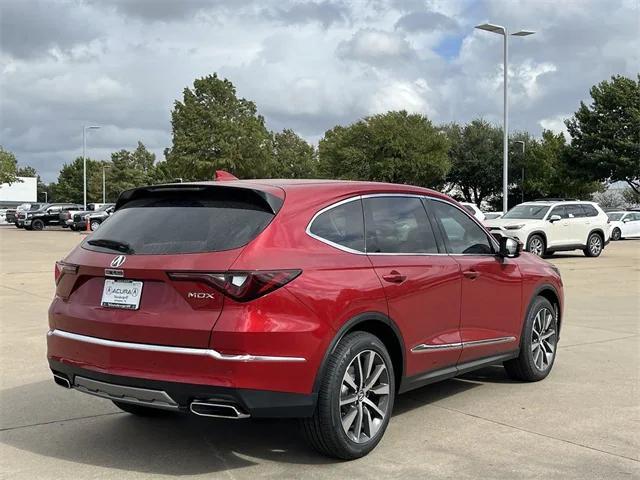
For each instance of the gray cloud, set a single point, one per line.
(376, 47)
(325, 12)
(425, 22)
(32, 28)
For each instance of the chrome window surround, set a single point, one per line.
(492, 241)
(429, 347)
(202, 352)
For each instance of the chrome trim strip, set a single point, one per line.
(203, 352)
(429, 347)
(488, 341)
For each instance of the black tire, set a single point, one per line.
(595, 245)
(73, 228)
(37, 225)
(141, 410)
(18, 226)
(94, 225)
(324, 430)
(525, 366)
(536, 245)
(616, 234)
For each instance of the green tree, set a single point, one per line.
(476, 159)
(129, 170)
(294, 157)
(69, 187)
(393, 147)
(606, 134)
(8, 166)
(27, 171)
(214, 129)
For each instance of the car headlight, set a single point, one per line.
(29, 215)
(514, 227)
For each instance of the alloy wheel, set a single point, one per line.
(364, 396)
(616, 234)
(536, 246)
(595, 245)
(94, 226)
(543, 339)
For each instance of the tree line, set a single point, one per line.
(214, 129)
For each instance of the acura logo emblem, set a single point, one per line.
(119, 260)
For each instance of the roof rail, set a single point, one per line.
(556, 200)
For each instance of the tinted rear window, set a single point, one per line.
(341, 225)
(186, 222)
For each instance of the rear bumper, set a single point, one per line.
(179, 396)
(190, 373)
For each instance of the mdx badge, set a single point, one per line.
(200, 295)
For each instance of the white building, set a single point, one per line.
(23, 191)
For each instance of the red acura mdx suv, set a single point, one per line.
(281, 298)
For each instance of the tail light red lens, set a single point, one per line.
(240, 286)
(62, 268)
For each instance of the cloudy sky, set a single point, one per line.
(308, 65)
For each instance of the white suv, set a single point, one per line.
(551, 226)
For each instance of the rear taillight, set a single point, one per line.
(61, 268)
(241, 286)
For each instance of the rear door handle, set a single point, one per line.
(394, 277)
(471, 274)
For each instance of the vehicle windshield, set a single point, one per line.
(36, 206)
(530, 212)
(615, 216)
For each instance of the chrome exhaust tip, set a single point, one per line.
(61, 380)
(216, 410)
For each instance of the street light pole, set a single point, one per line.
(104, 184)
(46, 197)
(522, 181)
(489, 27)
(84, 160)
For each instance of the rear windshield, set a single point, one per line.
(184, 222)
(615, 216)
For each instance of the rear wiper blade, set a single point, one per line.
(117, 245)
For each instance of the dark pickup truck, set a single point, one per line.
(47, 215)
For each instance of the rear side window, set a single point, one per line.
(575, 211)
(397, 225)
(342, 225)
(589, 210)
(173, 222)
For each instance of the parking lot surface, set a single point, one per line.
(583, 421)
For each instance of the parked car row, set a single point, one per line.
(37, 216)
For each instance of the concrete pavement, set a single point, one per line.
(583, 421)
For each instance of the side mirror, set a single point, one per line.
(626, 220)
(554, 218)
(510, 247)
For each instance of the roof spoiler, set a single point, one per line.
(224, 176)
(268, 201)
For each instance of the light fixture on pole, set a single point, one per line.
(489, 27)
(84, 160)
(521, 142)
